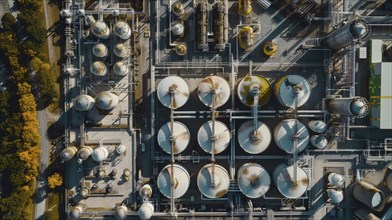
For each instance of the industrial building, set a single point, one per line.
(228, 109)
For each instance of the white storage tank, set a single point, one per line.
(369, 194)
(100, 29)
(98, 68)
(121, 149)
(173, 85)
(68, 153)
(251, 86)
(290, 87)
(146, 211)
(335, 179)
(213, 181)
(84, 153)
(181, 180)
(106, 100)
(121, 50)
(179, 135)
(100, 50)
(177, 28)
(145, 192)
(253, 180)
(254, 141)
(75, 212)
(213, 86)
(319, 141)
(121, 212)
(122, 30)
(350, 107)
(120, 68)
(100, 154)
(284, 133)
(220, 138)
(286, 183)
(317, 126)
(83, 102)
(336, 196)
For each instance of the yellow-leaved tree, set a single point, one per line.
(55, 180)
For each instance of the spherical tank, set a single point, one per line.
(335, 179)
(290, 87)
(369, 194)
(319, 141)
(317, 126)
(106, 100)
(176, 86)
(84, 152)
(122, 30)
(213, 181)
(178, 8)
(335, 196)
(120, 68)
(179, 135)
(284, 133)
(145, 192)
(120, 149)
(254, 141)
(75, 212)
(146, 211)
(213, 86)
(100, 29)
(219, 139)
(121, 212)
(251, 86)
(351, 107)
(121, 50)
(68, 153)
(100, 154)
(181, 180)
(84, 102)
(177, 28)
(286, 183)
(353, 30)
(100, 50)
(253, 180)
(98, 68)
(181, 49)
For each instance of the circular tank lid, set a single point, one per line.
(106, 100)
(100, 154)
(145, 191)
(122, 30)
(285, 181)
(213, 86)
(121, 51)
(213, 181)
(98, 68)
(251, 86)
(284, 132)
(253, 180)
(146, 211)
(178, 8)
(246, 37)
(68, 153)
(120, 149)
(220, 140)
(121, 212)
(120, 68)
(84, 193)
(319, 141)
(100, 29)
(83, 102)
(181, 49)
(85, 152)
(254, 142)
(335, 196)
(358, 28)
(177, 28)
(335, 179)
(291, 86)
(180, 135)
(173, 85)
(359, 106)
(181, 180)
(100, 50)
(317, 126)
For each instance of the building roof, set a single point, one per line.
(385, 97)
(376, 51)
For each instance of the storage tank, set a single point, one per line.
(100, 50)
(68, 153)
(121, 212)
(121, 149)
(173, 85)
(335, 196)
(220, 138)
(213, 86)
(213, 181)
(319, 141)
(253, 180)
(100, 154)
(284, 133)
(335, 179)
(368, 194)
(357, 29)
(106, 100)
(145, 192)
(83, 102)
(350, 107)
(317, 126)
(290, 87)
(177, 28)
(181, 49)
(122, 30)
(84, 153)
(100, 29)
(84, 192)
(181, 180)
(178, 9)
(201, 30)
(120, 68)
(244, 7)
(121, 50)
(246, 37)
(219, 26)
(251, 86)
(98, 68)
(75, 212)
(146, 211)
(364, 214)
(286, 183)
(270, 48)
(254, 141)
(180, 136)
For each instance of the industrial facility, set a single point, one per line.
(228, 109)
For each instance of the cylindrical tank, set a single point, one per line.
(84, 192)
(389, 181)
(354, 30)
(181, 49)
(244, 7)
(335, 196)
(120, 68)
(180, 136)
(319, 141)
(201, 30)
(251, 86)
(100, 50)
(270, 48)
(106, 100)
(246, 37)
(219, 139)
(213, 86)
(290, 87)
(83, 102)
(178, 9)
(335, 179)
(368, 194)
(286, 130)
(100, 29)
(364, 214)
(350, 107)
(213, 181)
(145, 192)
(121, 50)
(254, 142)
(100, 154)
(122, 30)
(98, 68)
(181, 180)
(75, 212)
(177, 28)
(253, 180)
(173, 85)
(121, 149)
(219, 25)
(146, 211)
(286, 183)
(317, 126)
(121, 212)
(84, 153)
(68, 153)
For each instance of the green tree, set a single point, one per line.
(8, 22)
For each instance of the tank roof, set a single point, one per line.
(181, 137)
(100, 50)
(206, 141)
(100, 29)
(253, 180)
(254, 142)
(248, 86)
(181, 180)
(319, 141)
(178, 87)
(284, 133)
(213, 85)
(98, 68)
(122, 30)
(178, 28)
(83, 102)
(120, 68)
(146, 211)
(121, 50)
(286, 184)
(106, 100)
(100, 154)
(221, 181)
(291, 86)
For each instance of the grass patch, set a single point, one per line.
(53, 203)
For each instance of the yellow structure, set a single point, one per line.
(178, 8)
(181, 49)
(244, 7)
(270, 48)
(246, 37)
(247, 87)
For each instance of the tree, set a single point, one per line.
(55, 180)
(8, 22)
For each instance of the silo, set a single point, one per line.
(121, 212)
(368, 194)
(178, 9)
(98, 68)
(335, 179)
(219, 139)
(146, 211)
(100, 29)
(100, 154)
(244, 7)
(75, 212)
(364, 214)
(290, 87)
(253, 180)
(336, 196)
(246, 37)
(180, 136)
(357, 29)
(121, 50)
(120, 68)
(317, 126)
(319, 141)
(201, 28)
(181, 49)
(251, 86)
(213, 181)
(83, 102)
(213, 86)
(254, 141)
(84, 153)
(289, 186)
(180, 177)
(286, 130)
(219, 25)
(100, 50)
(177, 28)
(122, 30)
(350, 107)
(176, 86)
(106, 100)
(68, 153)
